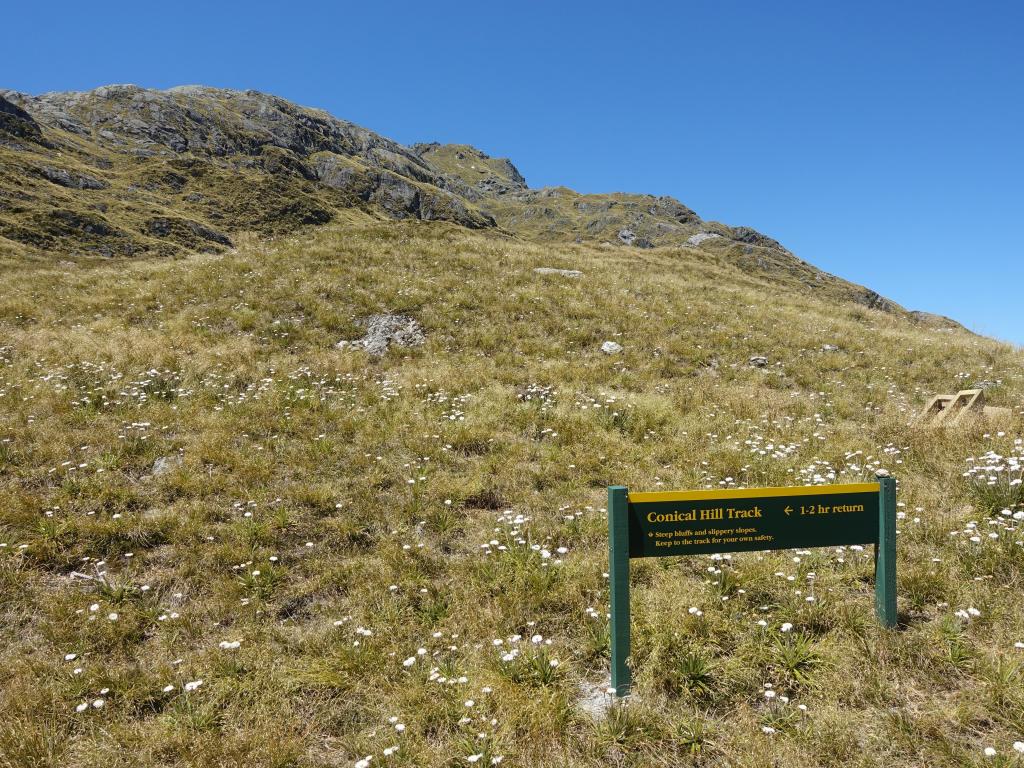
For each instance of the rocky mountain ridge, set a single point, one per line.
(122, 170)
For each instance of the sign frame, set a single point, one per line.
(620, 523)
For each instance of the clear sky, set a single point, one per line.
(881, 141)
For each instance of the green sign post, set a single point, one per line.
(704, 522)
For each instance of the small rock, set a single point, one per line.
(562, 272)
(758, 361)
(627, 236)
(384, 330)
(611, 348)
(984, 384)
(166, 464)
(829, 348)
(596, 701)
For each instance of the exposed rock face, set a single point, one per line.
(935, 321)
(701, 237)
(16, 123)
(873, 300)
(219, 159)
(758, 361)
(396, 194)
(752, 237)
(71, 180)
(611, 348)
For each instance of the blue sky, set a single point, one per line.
(879, 141)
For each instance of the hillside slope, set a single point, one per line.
(225, 541)
(125, 171)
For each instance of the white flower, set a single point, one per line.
(113, 616)
(470, 702)
(409, 662)
(70, 656)
(400, 727)
(537, 639)
(85, 705)
(785, 627)
(474, 758)
(767, 729)
(1018, 746)
(168, 688)
(193, 685)
(98, 704)
(990, 752)
(364, 763)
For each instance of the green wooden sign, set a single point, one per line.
(706, 522)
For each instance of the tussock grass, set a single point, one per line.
(335, 514)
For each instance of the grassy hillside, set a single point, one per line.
(225, 542)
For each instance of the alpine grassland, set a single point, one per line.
(225, 541)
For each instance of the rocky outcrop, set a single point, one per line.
(935, 321)
(873, 300)
(70, 179)
(16, 123)
(753, 237)
(396, 194)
